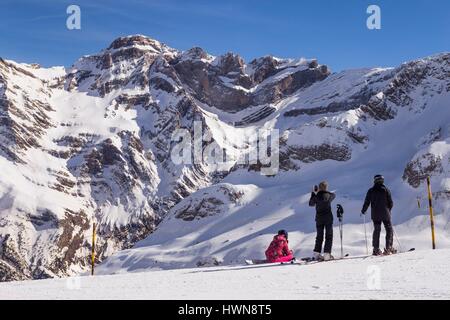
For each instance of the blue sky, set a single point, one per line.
(333, 31)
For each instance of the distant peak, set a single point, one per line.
(196, 53)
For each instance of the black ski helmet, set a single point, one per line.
(378, 179)
(284, 233)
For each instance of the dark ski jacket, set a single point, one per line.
(322, 201)
(380, 199)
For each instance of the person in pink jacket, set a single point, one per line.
(278, 250)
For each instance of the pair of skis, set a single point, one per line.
(257, 261)
(302, 261)
(391, 254)
(348, 257)
(312, 260)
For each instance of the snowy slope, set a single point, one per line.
(414, 275)
(93, 143)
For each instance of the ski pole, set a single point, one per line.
(340, 215)
(365, 234)
(398, 241)
(341, 229)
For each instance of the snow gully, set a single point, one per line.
(188, 150)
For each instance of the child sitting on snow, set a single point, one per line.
(278, 250)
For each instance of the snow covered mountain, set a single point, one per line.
(95, 143)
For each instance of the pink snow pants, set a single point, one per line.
(283, 259)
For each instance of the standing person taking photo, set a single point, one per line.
(380, 199)
(321, 198)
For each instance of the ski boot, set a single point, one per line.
(389, 251)
(317, 256)
(327, 256)
(377, 252)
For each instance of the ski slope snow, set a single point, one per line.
(412, 275)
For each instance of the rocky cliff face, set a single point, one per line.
(94, 143)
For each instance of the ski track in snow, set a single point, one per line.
(413, 275)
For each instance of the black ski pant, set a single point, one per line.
(377, 231)
(328, 228)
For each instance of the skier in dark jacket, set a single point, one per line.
(380, 199)
(321, 199)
